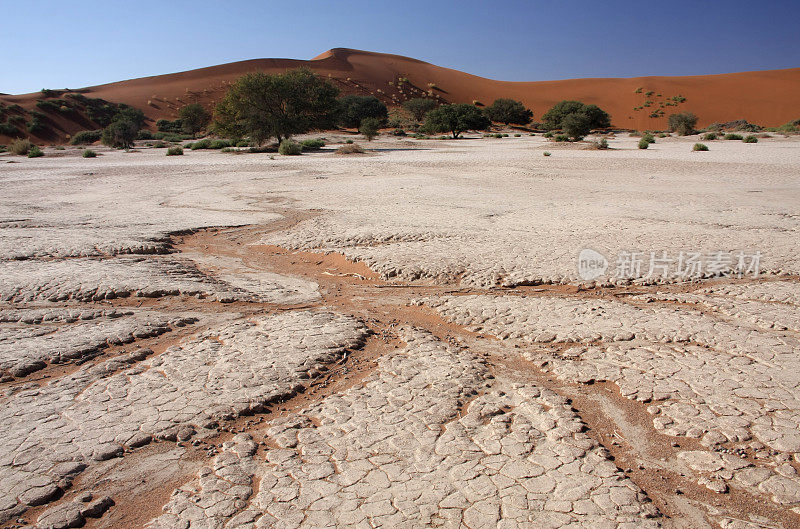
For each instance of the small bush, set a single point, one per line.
(160, 145)
(601, 145)
(561, 137)
(3, 148)
(7, 129)
(699, 147)
(35, 152)
(643, 143)
(120, 134)
(175, 151)
(649, 137)
(369, 127)
(35, 125)
(86, 137)
(517, 135)
(20, 147)
(202, 144)
(349, 141)
(750, 139)
(220, 144)
(165, 125)
(88, 153)
(732, 136)
(312, 145)
(710, 136)
(144, 134)
(352, 148)
(398, 132)
(546, 153)
(662, 135)
(548, 135)
(243, 143)
(683, 123)
(290, 148)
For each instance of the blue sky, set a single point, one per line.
(74, 44)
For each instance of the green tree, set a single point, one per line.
(418, 107)
(263, 106)
(354, 109)
(683, 123)
(455, 119)
(120, 134)
(508, 111)
(193, 118)
(576, 125)
(554, 117)
(369, 127)
(130, 114)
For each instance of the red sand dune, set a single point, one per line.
(768, 98)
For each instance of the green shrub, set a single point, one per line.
(369, 127)
(165, 125)
(3, 148)
(354, 109)
(643, 143)
(662, 135)
(517, 135)
(160, 145)
(699, 147)
(144, 134)
(710, 136)
(455, 119)
(35, 125)
(88, 153)
(602, 144)
(554, 118)
(505, 135)
(312, 144)
(732, 136)
(349, 141)
(120, 134)
(750, 139)
(398, 132)
(193, 118)
(683, 123)
(85, 137)
(418, 107)
(243, 143)
(21, 146)
(7, 129)
(508, 111)
(220, 144)
(175, 151)
(290, 148)
(352, 148)
(561, 138)
(35, 152)
(576, 125)
(202, 144)
(649, 137)
(546, 153)
(548, 135)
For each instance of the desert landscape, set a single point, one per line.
(501, 327)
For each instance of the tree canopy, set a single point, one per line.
(683, 123)
(262, 106)
(508, 111)
(455, 119)
(353, 109)
(193, 118)
(554, 118)
(419, 106)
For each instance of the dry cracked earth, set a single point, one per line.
(399, 339)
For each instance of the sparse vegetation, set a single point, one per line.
(175, 151)
(699, 147)
(649, 138)
(352, 148)
(165, 125)
(732, 136)
(119, 134)
(261, 106)
(683, 123)
(643, 143)
(88, 153)
(7, 129)
(750, 139)
(289, 148)
(35, 152)
(455, 119)
(710, 136)
(508, 111)
(418, 107)
(20, 147)
(546, 153)
(354, 109)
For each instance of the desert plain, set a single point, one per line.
(400, 338)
